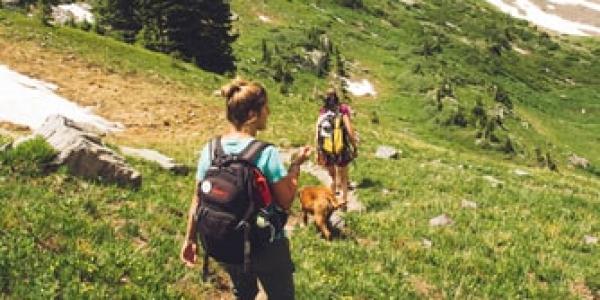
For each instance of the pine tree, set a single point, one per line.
(122, 17)
(153, 16)
(45, 10)
(200, 31)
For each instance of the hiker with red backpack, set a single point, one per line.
(336, 142)
(242, 199)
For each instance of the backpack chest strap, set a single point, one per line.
(249, 154)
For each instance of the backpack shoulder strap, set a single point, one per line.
(215, 148)
(253, 150)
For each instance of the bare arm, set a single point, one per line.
(190, 228)
(189, 249)
(284, 190)
(350, 130)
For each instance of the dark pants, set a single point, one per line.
(272, 266)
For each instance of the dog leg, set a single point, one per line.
(304, 217)
(321, 222)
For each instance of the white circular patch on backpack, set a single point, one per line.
(206, 186)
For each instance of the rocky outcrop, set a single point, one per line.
(84, 153)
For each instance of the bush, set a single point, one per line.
(354, 4)
(457, 118)
(594, 171)
(502, 97)
(30, 158)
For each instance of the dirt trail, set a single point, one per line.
(324, 178)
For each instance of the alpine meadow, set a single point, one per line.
(495, 123)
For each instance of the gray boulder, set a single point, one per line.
(84, 153)
(317, 59)
(387, 152)
(163, 161)
(578, 161)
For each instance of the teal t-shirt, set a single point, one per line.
(268, 162)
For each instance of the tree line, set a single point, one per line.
(197, 31)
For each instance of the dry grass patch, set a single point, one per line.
(153, 109)
(425, 289)
(581, 291)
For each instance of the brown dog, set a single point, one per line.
(320, 202)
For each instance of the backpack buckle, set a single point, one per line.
(242, 225)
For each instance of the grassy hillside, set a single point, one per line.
(63, 236)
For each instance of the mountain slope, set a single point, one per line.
(524, 239)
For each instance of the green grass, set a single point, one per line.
(30, 158)
(65, 237)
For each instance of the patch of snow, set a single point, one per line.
(79, 12)
(360, 88)
(525, 9)
(584, 3)
(550, 7)
(264, 19)
(27, 101)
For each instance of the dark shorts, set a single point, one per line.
(272, 266)
(341, 160)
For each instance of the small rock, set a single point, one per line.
(385, 191)
(163, 161)
(468, 204)
(264, 19)
(521, 173)
(317, 59)
(427, 243)
(387, 152)
(579, 161)
(336, 220)
(590, 240)
(441, 220)
(6, 147)
(493, 181)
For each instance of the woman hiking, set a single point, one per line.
(336, 142)
(247, 112)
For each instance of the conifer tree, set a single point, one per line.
(45, 10)
(201, 31)
(194, 30)
(122, 17)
